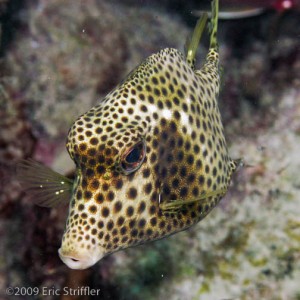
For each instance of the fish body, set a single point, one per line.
(151, 158)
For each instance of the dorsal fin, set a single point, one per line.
(214, 24)
(194, 43)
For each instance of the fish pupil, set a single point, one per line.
(134, 158)
(134, 155)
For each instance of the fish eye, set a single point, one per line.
(133, 158)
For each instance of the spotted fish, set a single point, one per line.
(151, 158)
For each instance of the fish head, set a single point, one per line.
(110, 156)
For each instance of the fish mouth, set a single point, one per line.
(78, 262)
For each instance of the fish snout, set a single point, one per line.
(79, 261)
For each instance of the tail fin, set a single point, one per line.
(214, 24)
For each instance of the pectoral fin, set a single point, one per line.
(46, 187)
(177, 205)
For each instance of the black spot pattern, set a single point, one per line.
(171, 108)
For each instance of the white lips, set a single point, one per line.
(81, 262)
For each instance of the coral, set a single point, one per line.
(15, 142)
(145, 269)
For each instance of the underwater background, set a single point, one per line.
(59, 58)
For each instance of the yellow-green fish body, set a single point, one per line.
(151, 158)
